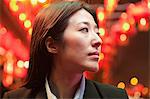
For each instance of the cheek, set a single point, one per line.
(76, 43)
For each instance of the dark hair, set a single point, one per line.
(51, 21)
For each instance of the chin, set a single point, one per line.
(92, 68)
(96, 69)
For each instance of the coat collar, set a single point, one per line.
(90, 91)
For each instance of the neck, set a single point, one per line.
(63, 84)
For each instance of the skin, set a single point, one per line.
(72, 57)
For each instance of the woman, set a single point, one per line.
(64, 44)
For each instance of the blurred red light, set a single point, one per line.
(8, 80)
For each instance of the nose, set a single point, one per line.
(96, 41)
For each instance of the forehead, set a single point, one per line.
(82, 16)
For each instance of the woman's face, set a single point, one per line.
(81, 44)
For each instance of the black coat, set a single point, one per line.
(93, 90)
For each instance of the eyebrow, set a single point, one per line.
(87, 24)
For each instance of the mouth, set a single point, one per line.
(94, 55)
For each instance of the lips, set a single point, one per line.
(96, 53)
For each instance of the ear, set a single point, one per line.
(50, 45)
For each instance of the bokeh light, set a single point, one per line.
(123, 37)
(33, 2)
(30, 31)
(26, 64)
(22, 16)
(134, 81)
(8, 80)
(101, 16)
(9, 68)
(13, 5)
(102, 31)
(20, 63)
(143, 21)
(124, 15)
(3, 30)
(121, 85)
(41, 1)
(129, 22)
(101, 56)
(126, 26)
(148, 4)
(27, 24)
(145, 91)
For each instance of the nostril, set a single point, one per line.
(96, 44)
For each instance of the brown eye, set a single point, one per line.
(84, 30)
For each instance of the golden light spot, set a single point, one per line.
(124, 15)
(20, 64)
(13, 5)
(143, 21)
(101, 56)
(126, 26)
(101, 16)
(121, 85)
(102, 31)
(9, 79)
(33, 2)
(22, 16)
(27, 23)
(42, 1)
(148, 4)
(123, 37)
(134, 81)
(30, 31)
(9, 68)
(26, 64)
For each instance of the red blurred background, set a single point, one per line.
(124, 26)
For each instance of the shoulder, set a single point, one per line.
(17, 93)
(26, 92)
(109, 91)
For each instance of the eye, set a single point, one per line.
(84, 30)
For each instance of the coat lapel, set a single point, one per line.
(91, 91)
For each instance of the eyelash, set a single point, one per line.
(84, 30)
